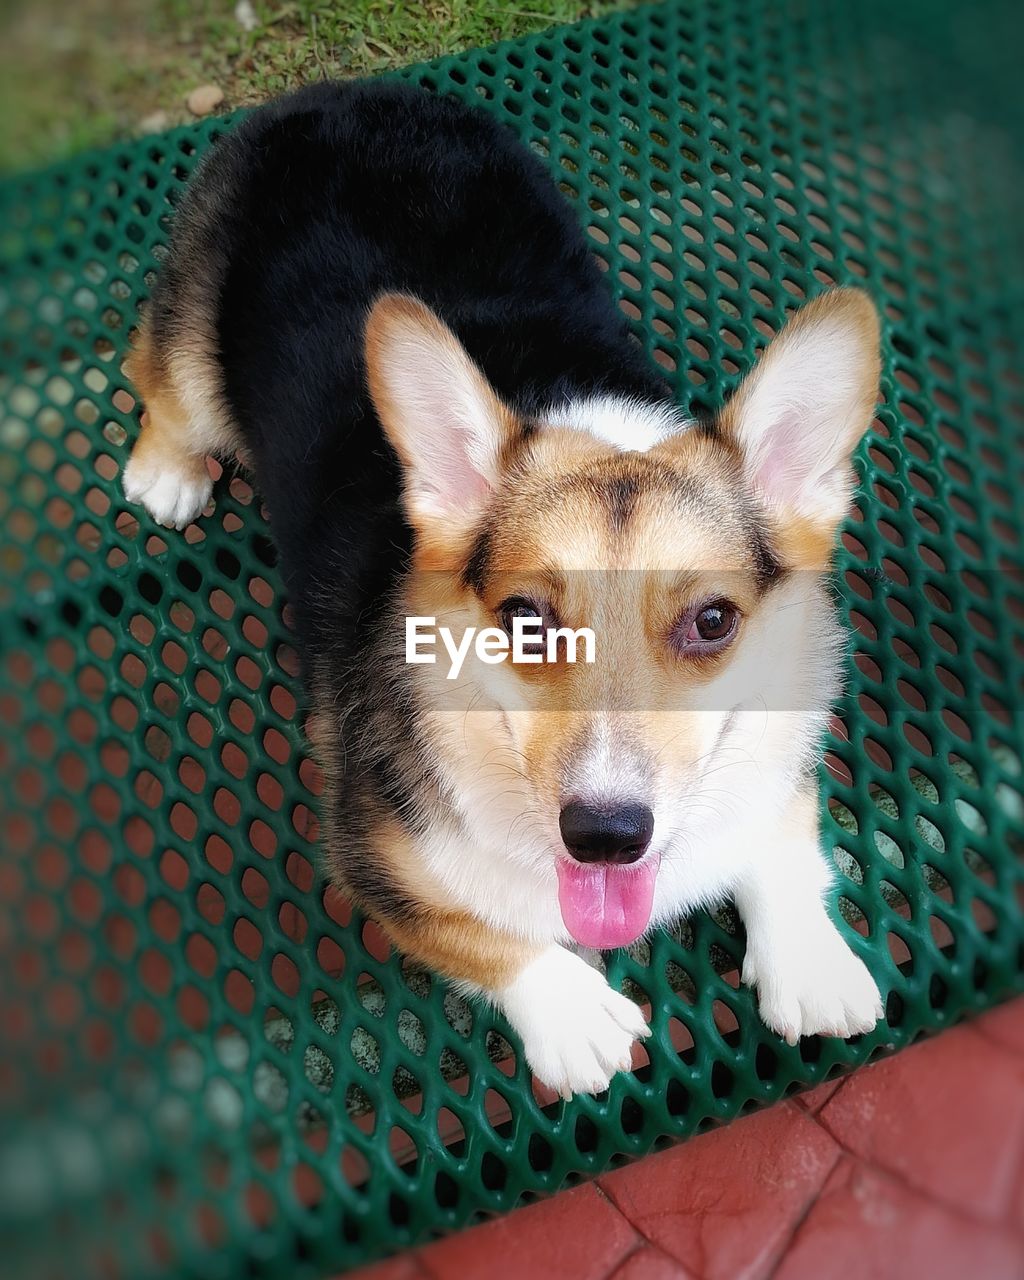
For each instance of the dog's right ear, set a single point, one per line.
(442, 416)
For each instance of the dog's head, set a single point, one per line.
(694, 554)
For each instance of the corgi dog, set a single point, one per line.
(381, 302)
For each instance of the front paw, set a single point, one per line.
(576, 1031)
(174, 494)
(811, 983)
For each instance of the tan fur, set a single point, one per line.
(444, 939)
(805, 544)
(165, 439)
(554, 537)
(457, 944)
(181, 389)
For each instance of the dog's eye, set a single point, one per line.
(714, 622)
(519, 607)
(707, 628)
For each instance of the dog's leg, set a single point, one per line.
(577, 1032)
(167, 470)
(808, 980)
(172, 484)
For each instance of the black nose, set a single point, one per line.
(606, 833)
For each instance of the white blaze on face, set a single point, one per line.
(607, 767)
(626, 424)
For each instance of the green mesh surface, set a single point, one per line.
(209, 1069)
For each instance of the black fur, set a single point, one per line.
(336, 195)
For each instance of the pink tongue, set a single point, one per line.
(604, 905)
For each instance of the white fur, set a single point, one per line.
(576, 1031)
(808, 980)
(626, 424)
(605, 772)
(172, 497)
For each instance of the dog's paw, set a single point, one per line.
(811, 983)
(173, 496)
(576, 1031)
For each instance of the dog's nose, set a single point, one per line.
(606, 833)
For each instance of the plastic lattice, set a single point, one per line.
(212, 1069)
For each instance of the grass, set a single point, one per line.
(90, 72)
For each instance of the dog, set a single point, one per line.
(380, 300)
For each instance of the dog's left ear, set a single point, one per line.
(798, 415)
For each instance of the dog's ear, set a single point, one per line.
(440, 413)
(798, 415)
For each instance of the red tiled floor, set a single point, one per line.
(866, 1225)
(814, 1099)
(1017, 1213)
(961, 1097)
(406, 1267)
(648, 1263)
(579, 1233)
(914, 1165)
(1004, 1025)
(724, 1205)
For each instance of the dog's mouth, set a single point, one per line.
(605, 904)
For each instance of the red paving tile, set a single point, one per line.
(867, 1226)
(724, 1205)
(812, 1100)
(948, 1119)
(914, 1164)
(1004, 1025)
(1017, 1209)
(406, 1267)
(651, 1264)
(577, 1234)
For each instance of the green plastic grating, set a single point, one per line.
(209, 1068)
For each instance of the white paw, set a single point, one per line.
(576, 1031)
(172, 496)
(811, 983)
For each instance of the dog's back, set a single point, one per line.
(314, 207)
